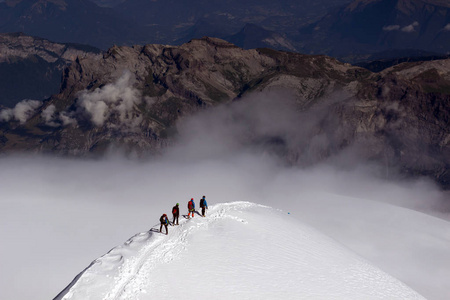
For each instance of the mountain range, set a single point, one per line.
(349, 30)
(134, 98)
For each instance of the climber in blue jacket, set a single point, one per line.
(203, 205)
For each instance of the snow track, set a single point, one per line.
(240, 251)
(122, 272)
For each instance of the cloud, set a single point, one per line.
(67, 118)
(410, 27)
(49, 116)
(21, 112)
(113, 101)
(391, 27)
(447, 27)
(267, 122)
(113, 105)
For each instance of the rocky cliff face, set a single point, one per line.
(133, 97)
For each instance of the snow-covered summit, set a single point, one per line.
(240, 250)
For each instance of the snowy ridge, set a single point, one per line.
(120, 266)
(240, 250)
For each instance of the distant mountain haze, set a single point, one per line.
(252, 36)
(341, 28)
(173, 17)
(103, 23)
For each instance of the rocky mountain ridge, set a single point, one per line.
(135, 98)
(19, 45)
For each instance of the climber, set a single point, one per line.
(164, 221)
(191, 208)
(203, 205)
(175, 213)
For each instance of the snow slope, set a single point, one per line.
(409, 245)
(240, 250)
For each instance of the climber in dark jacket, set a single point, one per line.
(203, 205)
(164, 221)
(175, 213)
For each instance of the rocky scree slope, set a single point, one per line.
(133, 97)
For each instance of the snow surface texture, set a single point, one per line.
(240, 250)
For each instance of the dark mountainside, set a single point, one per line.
(351, 31)
(369, 26)
(70, 21)
(108, 3)
(104, 23)
(31, 68)
(384, 63)
(134, 97)
(175, 20)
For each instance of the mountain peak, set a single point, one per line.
(231, 242)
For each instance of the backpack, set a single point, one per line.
(191, 205)
(175, 210)
(163, 220)
(202, 203)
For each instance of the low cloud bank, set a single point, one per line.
(270, 127)
(58, 214)
(266, 123)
